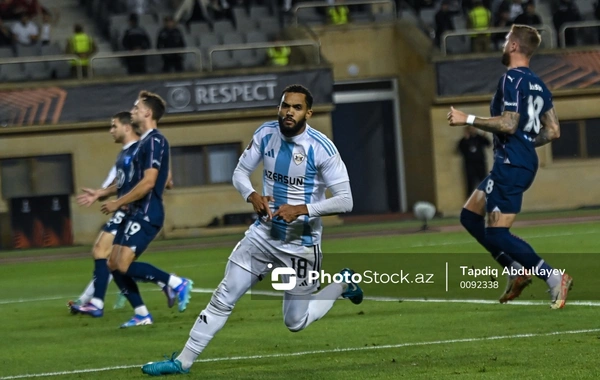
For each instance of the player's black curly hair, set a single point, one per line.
(300, 89)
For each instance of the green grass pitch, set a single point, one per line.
(431, 333)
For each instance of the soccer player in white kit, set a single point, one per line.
(300, 163)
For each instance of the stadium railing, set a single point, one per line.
(43, 59)
(468, 32)
(149, 52)
(574, 25)
(265, 45)
(323, 4)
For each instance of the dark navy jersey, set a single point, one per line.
(521, 91)
(152, 153)
(126, 179)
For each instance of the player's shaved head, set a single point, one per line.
(527, 37)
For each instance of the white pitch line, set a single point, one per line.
(315, 352)
(375, 299)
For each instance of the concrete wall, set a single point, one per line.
(392, 50)
(93, 153)
(559, 184)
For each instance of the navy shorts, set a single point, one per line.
(504, 188)
(113, 224)
(136, 234)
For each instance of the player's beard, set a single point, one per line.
(505, 59)
(293, 130)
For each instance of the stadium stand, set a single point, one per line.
(208, 26)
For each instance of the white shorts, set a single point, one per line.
(260, 256)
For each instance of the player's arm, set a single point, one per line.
(89, 196)
(248, 162)
(551, 130)
(139, 191)
(169, 184)
(151, 167)
(335, 176)
(506, 123)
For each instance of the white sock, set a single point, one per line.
(174, 281)
(553, 280)
(88, 293)
(97, 302)
(141, 310)
(516, 266)
(205, 328)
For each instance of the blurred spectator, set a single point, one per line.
(503, 21)
(46, 29)
(443, 21)
(190, 11)
(140, 7)
(472, 148)
(83, 46)
(338, 13)
(515, 8)
(5, 35)
(279, 56)
(286, 6)
(31, 7)
(135, 39)
(170, 37)
(529, 17)
(25, 32)
(567, 12)
(480, 18)
(219, 10)
(6, 10)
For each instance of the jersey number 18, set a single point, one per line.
(534, 108)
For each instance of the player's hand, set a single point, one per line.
(290, 213)
(88, 197)
(109, 207)
(261, 204)
(456, 118)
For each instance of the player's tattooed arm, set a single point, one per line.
(507, 123)
(551, 130)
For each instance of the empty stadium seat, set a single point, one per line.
(233, 38)
(223, 26)
(256, 36)
(223, 60)
(269, 26)
(12, 72)
(258, 11)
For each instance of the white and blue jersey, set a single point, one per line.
(297, 170)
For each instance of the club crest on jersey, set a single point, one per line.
(298, 158)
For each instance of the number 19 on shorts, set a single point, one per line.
(132, 228)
